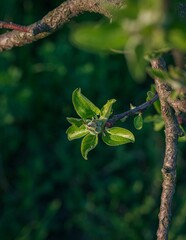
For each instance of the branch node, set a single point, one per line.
(41, 28)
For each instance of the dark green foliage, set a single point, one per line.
(46, 190)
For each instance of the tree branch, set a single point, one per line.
(10, 25)
(139, 109)
(172, 131)
(52, 21)
(177, 105)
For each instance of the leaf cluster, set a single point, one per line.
(92, 122)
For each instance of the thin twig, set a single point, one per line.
(13, 26)
(138, 109)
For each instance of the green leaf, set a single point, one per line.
(88, 143)
(75, 121)
(83, 106)
(106, 110)
(138, 122)
(117, 136)
(99, 37)
(74, 132)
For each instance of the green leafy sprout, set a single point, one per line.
(92, 122)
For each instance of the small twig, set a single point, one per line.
(13, 26)
(131, 112)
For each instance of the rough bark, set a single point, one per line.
(172, 132)
(54, 20)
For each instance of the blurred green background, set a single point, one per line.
(47, 190)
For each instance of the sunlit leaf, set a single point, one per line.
(117, 136)
(88, 143)
(106, 110)
(74, 132)
(83, 106)
(75, 121)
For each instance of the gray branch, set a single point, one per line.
(136, 110)
(53, 21)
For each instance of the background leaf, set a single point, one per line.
(99, 37)
(135, 58)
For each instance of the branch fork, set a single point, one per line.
(22, 35)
